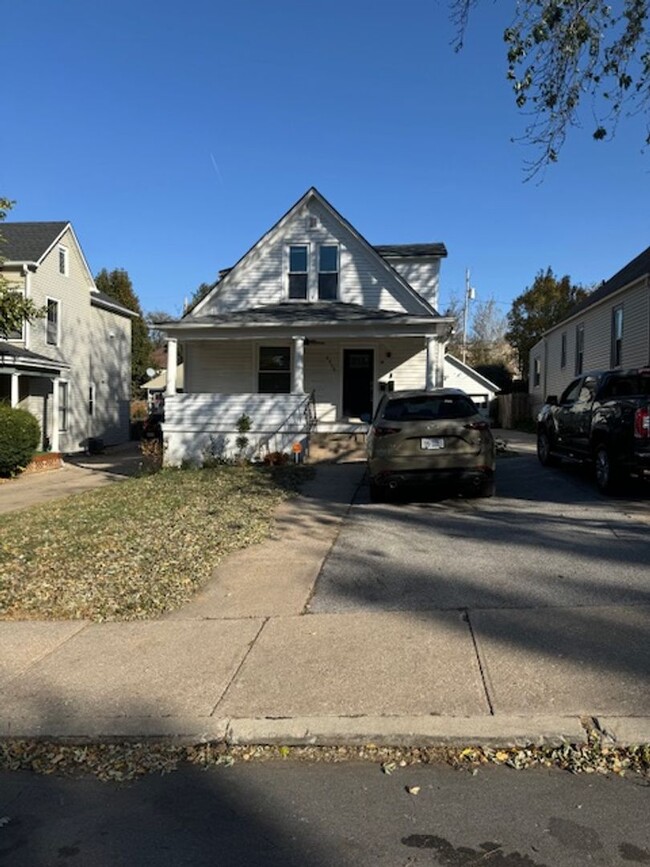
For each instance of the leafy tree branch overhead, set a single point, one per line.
(563, 53)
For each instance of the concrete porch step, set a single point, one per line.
(337, 448)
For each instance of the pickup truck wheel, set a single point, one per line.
(607, 477)
(546, 458)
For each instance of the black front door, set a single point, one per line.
(358, 380)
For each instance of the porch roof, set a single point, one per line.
(17, 357)
(335, 316)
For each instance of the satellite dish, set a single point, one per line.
(151, 372)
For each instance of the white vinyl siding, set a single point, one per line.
(422, 274)
(260, 278)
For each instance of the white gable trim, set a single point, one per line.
(56, 242)
(313, 193)
(469, 371)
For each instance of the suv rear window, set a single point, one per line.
(428, 407)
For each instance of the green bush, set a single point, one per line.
(20, 435)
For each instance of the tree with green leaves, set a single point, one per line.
(548, 301)
(563, 53)
(15, 308)
(117, 285)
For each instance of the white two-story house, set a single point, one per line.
(72, 367)
(308, 328)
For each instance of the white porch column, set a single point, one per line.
(172, 364)
(430, 373)
(15, 394)
(298, 367)
(54, 420)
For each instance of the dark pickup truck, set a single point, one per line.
(602, 417)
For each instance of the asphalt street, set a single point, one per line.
(286, 814)
(548, 539)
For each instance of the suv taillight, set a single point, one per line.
(384, 431)
(642, 423)
(477, 425)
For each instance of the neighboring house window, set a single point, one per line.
(563, 350)
(617, 337)
(536, 373)
(328, 272)
(580, 348)
(63, 261)
(91, 399)
(52, 323)
(64, 407)
(298, 260)
(274, 375)
(17, 333)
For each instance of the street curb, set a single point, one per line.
(410, 731)
(625, 731)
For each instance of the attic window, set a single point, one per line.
(63, 261)
(312, 221)
(298, 271)
(328, 272)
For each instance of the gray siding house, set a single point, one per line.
(308, 328)
(609, 329)
(72, 368)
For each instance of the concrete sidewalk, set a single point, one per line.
(245, 663)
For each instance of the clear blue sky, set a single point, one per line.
(173, 135)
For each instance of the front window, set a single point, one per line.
(274, 374)
(64, 407)
(52, 323)
(580, 348)
(617, 337)
(298, 271)
(328, 272)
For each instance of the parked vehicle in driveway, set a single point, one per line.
(427, 438)
(602, 417)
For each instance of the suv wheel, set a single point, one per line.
(544, 454)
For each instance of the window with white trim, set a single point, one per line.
(64, 406)
(52, 322)
(274, 370)
(563, 349)
(328, 272)
(298, 271)
(580, 348)
(617, 337)
(63, 260)
(537, 372)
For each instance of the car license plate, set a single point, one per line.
(432, 443)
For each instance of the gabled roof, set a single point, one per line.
(469, 371)
(638, 267)
(29, 242)
(411, 251)
(313, 193)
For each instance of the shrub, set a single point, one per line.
(19, 438)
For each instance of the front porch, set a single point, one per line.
(302, 386)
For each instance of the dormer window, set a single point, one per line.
(298, 270)
(63, 261)
(328, 272)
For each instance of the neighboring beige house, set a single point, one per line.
(72, 368)
(307, 329)
(609, 329)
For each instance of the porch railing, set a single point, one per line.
(307, 410)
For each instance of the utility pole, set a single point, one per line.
(470, 294)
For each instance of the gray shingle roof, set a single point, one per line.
(101, 299)
(26, 242)
(288, 313)
(403, 251)
(638, 267)
(18, 353)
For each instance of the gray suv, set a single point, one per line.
(427, 438)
